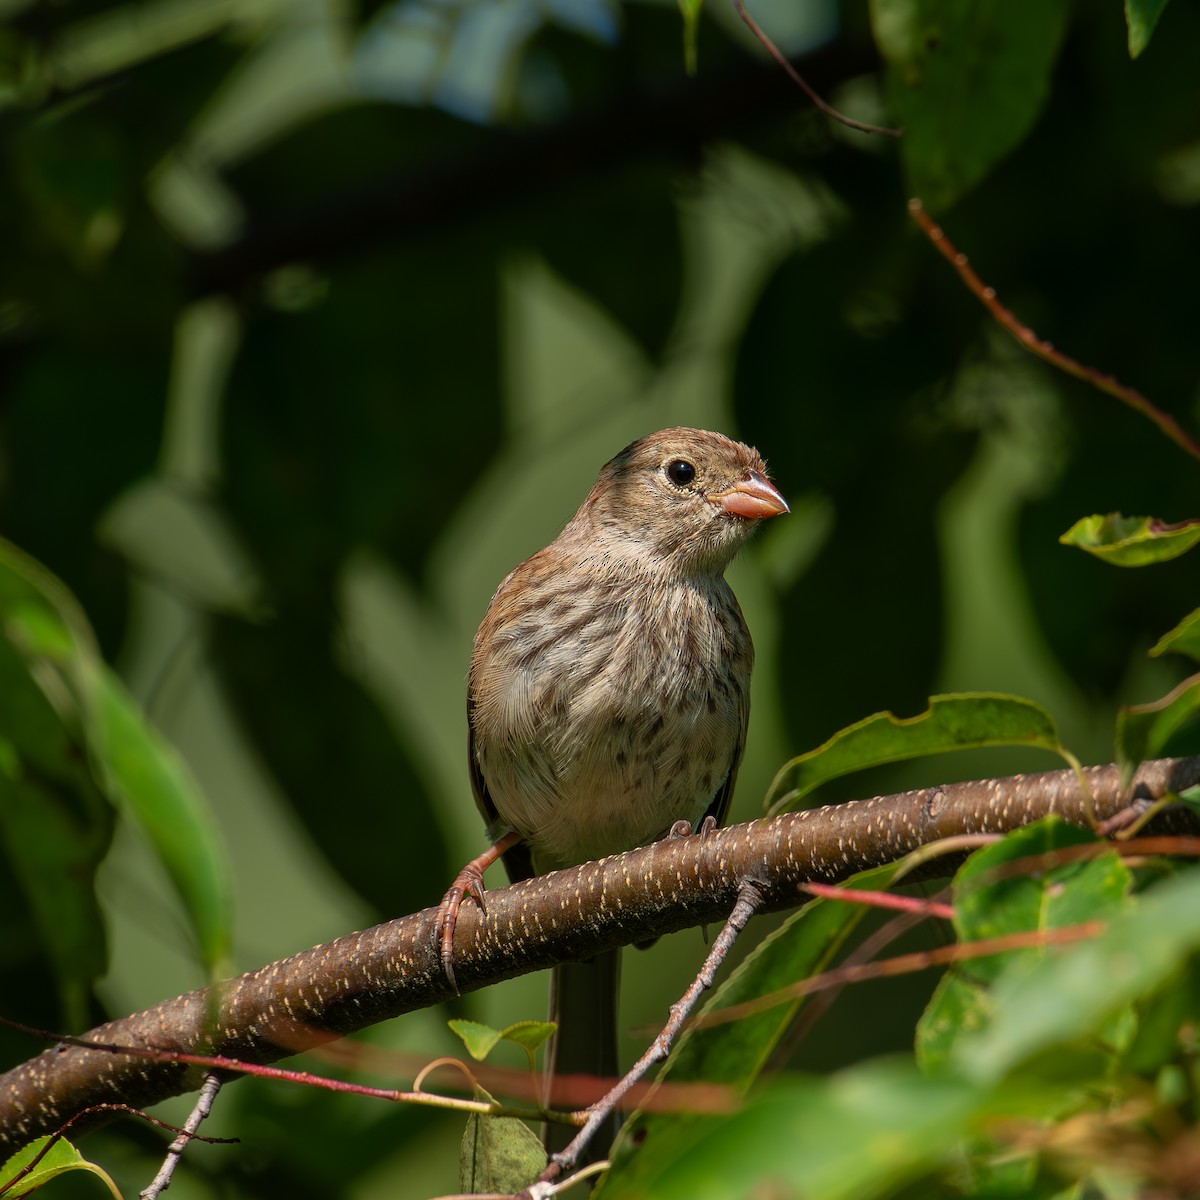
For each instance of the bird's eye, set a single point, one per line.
(680, 472)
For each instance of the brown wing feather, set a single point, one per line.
(719, 808)
(518, 861)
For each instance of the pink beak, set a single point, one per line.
(754, 498)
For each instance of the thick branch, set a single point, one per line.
(363, 978)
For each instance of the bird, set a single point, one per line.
(608, 691)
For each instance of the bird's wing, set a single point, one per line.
(518, 860)
(719, 808)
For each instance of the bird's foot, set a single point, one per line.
(468, 882)
(684, 828)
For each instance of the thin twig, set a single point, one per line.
(821, 1002)
(918, 905)
(904, 964)
(202, 1109)
(1005, 318)
(748, 902)
(799, 81)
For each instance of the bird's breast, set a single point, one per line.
(598, 725)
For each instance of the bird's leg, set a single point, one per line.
(468, 882)
(748, 902)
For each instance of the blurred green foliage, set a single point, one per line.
(315, 318)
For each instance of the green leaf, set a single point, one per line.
(956, 722)
(862, 1132)
(54, 856)
(154, 787)
(55, 826)
(992, 902)
(130, 762)
(959, 1005)
(1144, 729)
(1191, 797)
(60, 1158)
(1141, 16)
(691, 27)
(1132, 541)
(1183, 639)
(804, 945)
(1067, 998)
(529, 1035)
(478, 1038)
(733, 1053)
(967, 81)
(499, 1155)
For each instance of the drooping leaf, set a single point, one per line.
(956, 722)
(967, 82)
(146, 777)
(1132, 541)
(54, 855)
(130, 762)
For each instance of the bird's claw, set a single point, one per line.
(684, 828)
(469, 882)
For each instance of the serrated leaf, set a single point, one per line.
(499, 1155)
(60, 1158)
(1183, 639)
(1141, 16)
(1069, 997)
(1132, 541)
(953, 722)
(478, 1038)
(967, 82)
(1144, 729)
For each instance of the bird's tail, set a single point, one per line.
(583, 1002)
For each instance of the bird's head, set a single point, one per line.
(687, 498)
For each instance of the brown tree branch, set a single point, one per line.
(1008, 321)
(363, 978)
(790, 71)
